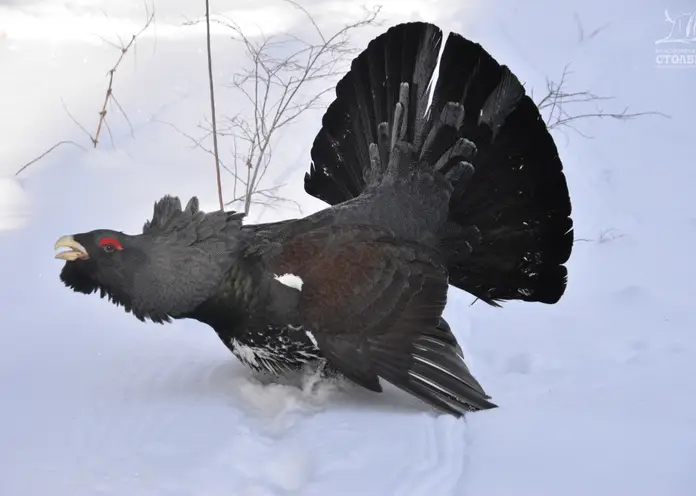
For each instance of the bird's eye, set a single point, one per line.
(110, 244)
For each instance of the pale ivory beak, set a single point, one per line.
(76, 250)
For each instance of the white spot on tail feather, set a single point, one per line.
(290, 280)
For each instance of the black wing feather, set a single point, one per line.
(379, 316)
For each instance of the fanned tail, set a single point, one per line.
(363, 112)
(510, 230)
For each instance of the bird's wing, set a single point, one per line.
(373, 304)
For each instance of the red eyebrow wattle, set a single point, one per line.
(111, 241)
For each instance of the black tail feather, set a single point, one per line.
(365, 98)
(480, 130)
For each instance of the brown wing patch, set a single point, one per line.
(342, 279)
(302, 252)
(345, 270)
(299, 252)
(374, 304)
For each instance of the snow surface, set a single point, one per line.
(596, 393)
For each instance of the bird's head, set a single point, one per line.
(167, 271)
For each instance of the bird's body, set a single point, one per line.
(469, 193)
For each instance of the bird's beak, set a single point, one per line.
(76, 250)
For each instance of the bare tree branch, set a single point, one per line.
(563, 109)
(269, 200)
(278, 83)
(123, 112)
(77, 123)
(34, 160)
(212, 106)
(109, 97)
(195, 143)
(112, 72)
(582, 37)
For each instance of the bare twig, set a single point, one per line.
(278, 84)
(605, 236)
(196, 143)
(270, 198)
(611, 234)
(112, 72)
(582, 37)
(34, 160)
(212, 106)
(563, 109)
(108, 97)
(77, 123)
(125, 116)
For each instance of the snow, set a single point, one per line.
(595, 392)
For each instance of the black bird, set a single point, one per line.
(466, 189)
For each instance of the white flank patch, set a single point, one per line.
(312, 338)
(290, 280)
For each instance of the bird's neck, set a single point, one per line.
(239, 295)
